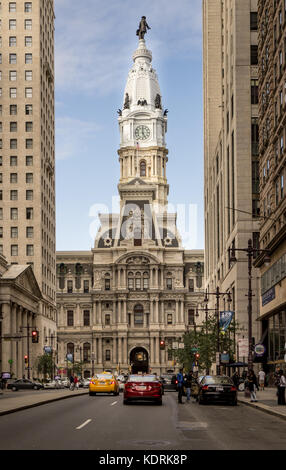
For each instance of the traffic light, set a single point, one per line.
(26, 360)
(35, 336)
(162, 344)
(197, 356)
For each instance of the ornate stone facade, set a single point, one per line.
(138, 286)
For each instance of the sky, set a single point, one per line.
(94, 44)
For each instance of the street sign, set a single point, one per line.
(194, 349)
(259, 349)
(242, 347)
(181, 346)
(175, 345)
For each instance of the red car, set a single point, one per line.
(142, 387)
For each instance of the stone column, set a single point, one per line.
(114, 352)
(99, 313)
(94, 319)
(125, 311)
(177, 311)
(120, 351)
(162, 320)
(100, 351)
(157, 350)
(151, 312)
(119, 311)
(157, 311)
(125, 359)
(14, 343)
(152, 350)
(114, 320)
(182, 311)
(124, 277)
(6, 329)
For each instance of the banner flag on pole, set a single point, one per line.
(225, 318)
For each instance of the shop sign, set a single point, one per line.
(268, 296)
(224, 358)
(259, 349)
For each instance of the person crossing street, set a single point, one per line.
(180, 385)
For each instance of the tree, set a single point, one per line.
(45, 365)
(203, 340)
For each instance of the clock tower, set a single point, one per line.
(143, 125)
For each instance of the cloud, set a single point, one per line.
(73, 137)
(95, 39)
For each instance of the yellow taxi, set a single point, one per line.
(105, 382)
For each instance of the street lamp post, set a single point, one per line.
(250, 250)
(217, 293)
(206, 310)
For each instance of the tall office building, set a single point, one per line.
(27, 159)
(231, 189)
(272, 119)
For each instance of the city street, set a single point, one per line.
(104, 423)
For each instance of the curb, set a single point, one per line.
(32, 405)
(264, 408)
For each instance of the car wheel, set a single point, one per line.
(35, 387)
(200, 400)
(234, 403)
(14, 389)
(92, 394)
(125, 402)
(159, 402)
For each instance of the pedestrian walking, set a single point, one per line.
(261, 379)
(71, 383)
(180, 385)
(189, 381)
(281, 385)
(252, 385)
(235, 379)
(76, 383)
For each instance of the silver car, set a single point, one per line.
(54, 384)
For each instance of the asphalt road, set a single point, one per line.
(104, 423)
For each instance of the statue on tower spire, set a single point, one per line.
(143, 26)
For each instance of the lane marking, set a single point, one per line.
(113, 403)
(84, 424)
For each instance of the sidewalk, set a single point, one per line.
(15, 401)
(266, 401)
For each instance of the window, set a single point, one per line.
(86, 352)
(1, 213)
(191, 317)
(28, 75)
(13, 92)
(14, 232)
(107, 355)
(29, 177)
(29, 126)
(13, 109)
(29, 160)
(29, 92)
(13, 126)
(12, 41)
(28, 109)
(14, 250)
(28, 24)
(30, 250)
(29, 213)
(107, 319)
(28, 41)
(69, 287)
(29, 195)
(169, 319)
(86, 318)
(14, 195)
(13, 178)
(1, 232)
(254, 91)
(70, 318)
(130, 283)
(12, 24)
(138, 315)
(12, 59)
(12, 75)
(145, 283)
(191, 285)
(253, 55)
(86, 286)
(29, 232)
(14, 213)
(12, 7)
(107, 284)
(28, 58)
(29, 143)
(169, 283)
(142, 168)
(138, 281)
(28, 7)
(253, 21)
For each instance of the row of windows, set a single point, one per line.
(14, 250)
(14, 178)
(14, 109)
(14, 232)
(13, 75)
(14, 126)
(14, 213)
(28, 41)
(14, 160)
(14, 195)
(14, 144)
(13, 26)
(13, 92)
(13, 7)
(13, 58)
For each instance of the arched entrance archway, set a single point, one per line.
(139, 360)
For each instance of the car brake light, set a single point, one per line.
(112, 382)
(205, 387)
(233, 389)
(176, 382)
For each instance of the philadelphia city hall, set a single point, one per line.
(123, 305)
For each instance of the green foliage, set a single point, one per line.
(45, 365)
(204, 338)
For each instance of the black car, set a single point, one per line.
(217, 388)
(24, 384)
(169, 382)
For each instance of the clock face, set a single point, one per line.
(142, 132)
